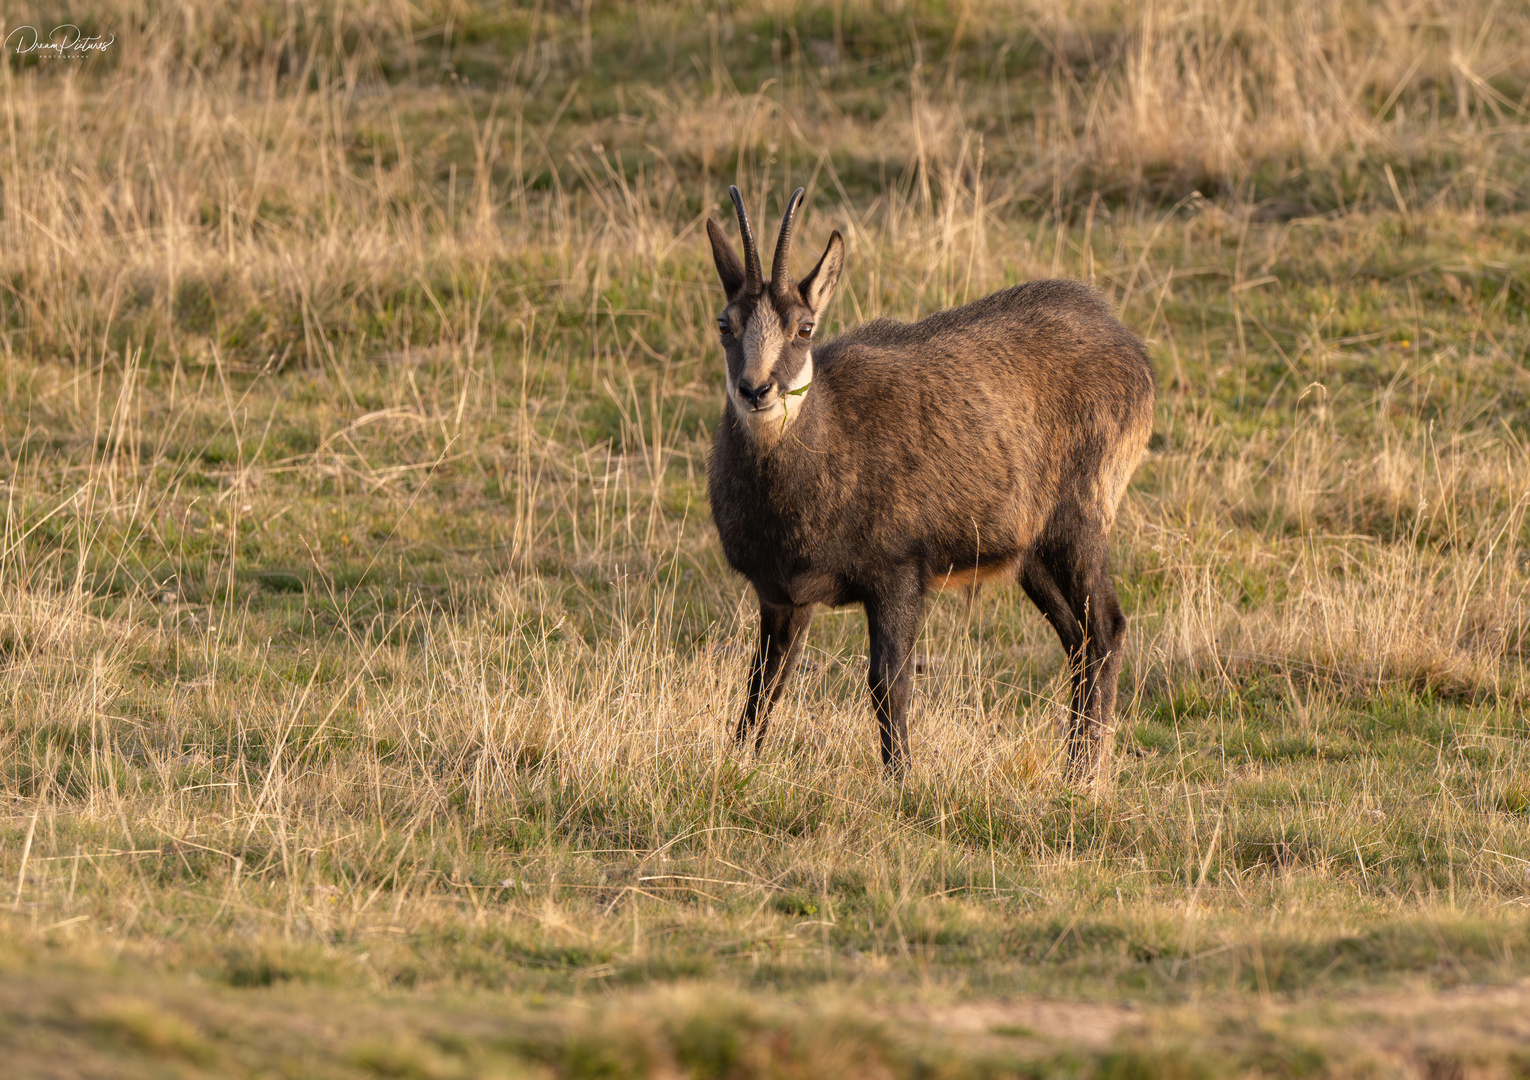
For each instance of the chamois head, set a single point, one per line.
(767, 327)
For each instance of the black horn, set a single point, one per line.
(780, 276)
(752, 276)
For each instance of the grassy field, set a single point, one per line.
(367, 656)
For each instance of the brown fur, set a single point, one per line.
(971, 577)
(990, 440)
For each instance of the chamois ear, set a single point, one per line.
(730, 271)
(818, 287)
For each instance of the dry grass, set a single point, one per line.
(361, 621)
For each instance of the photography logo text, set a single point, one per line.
(64, 42)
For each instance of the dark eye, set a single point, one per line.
(724, 329)
(805, 330)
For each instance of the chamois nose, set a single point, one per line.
(755, 394)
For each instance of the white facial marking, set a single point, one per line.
(767, 425)
(763, 342)
(791, 398)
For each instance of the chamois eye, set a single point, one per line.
(805, 331)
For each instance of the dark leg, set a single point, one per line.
(1040, 583)
(892, 617)
(781, 637)
(1073, 590)
(1093, 600)
(1104, 636)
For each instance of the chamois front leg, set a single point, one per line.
(892, 617)
(782, 629)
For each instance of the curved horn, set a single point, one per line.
(779, 271)
(752, 282)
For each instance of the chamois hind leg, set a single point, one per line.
(1039, 578)
(1072, 587)
(892, 619)
(782, 631)
(1092, 596)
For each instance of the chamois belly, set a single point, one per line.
(969, 563)
(800, 589)
(970, 576)
(999, 534)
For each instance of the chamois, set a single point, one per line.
(987, 442)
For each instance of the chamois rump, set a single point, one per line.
(984, 443)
